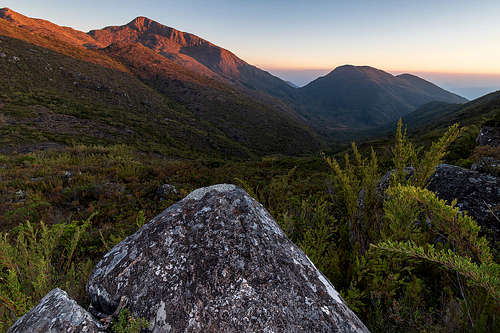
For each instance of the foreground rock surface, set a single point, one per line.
(217, 262)
(56, 312)
(476, 192)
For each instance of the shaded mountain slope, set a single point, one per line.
(430, 113)
(229, 109)
(52, 98)
(362, 96)
(441, 115)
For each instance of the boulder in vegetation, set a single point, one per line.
(477, 193)
(217, 261)
(163, 191)
(56, 312)
(489, 136)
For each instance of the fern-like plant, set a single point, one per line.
(411, 212)
(34, 260)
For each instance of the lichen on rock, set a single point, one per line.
(216, 261)
(56, 312)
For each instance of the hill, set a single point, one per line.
(362, 96)
(438, 116)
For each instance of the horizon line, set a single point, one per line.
(390, 70)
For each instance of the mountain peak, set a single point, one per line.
(371, 96)
(359, 72)
(363, 69)
(142, 23)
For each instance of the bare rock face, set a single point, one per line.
(489, 136)
(477, 193)
(56, 312)
(217, 262)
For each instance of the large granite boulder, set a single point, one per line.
(55, 313)
(217, 262)
(477, 193)
(489, 136)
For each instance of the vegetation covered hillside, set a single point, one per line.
(440, 115)
(90, 97)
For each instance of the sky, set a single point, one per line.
(454, 43)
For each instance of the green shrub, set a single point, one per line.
(34, 259)
(411, 251)
(126, 323)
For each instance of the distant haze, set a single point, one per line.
(468, 85)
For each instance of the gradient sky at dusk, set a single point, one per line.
(298, 40)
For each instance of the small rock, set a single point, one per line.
(55, 313)
(2, 55)
(21, 195)
(489, 136)
(164, 190)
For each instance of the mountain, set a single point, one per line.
(61, 87)
(193, 53)
(245, 107)
(363, 96)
